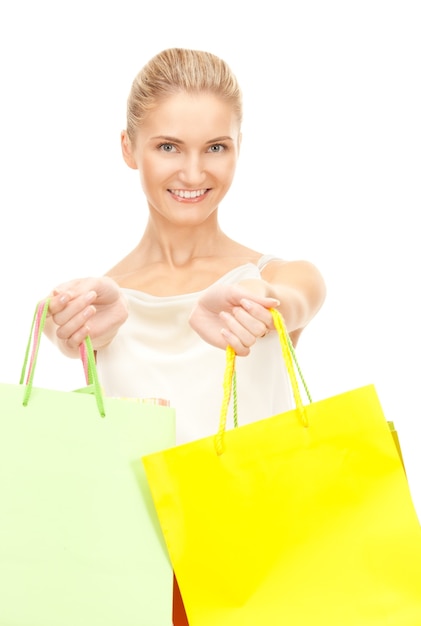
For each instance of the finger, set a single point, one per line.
(74, 326)
(63, 309)
(78, 337)
(262, 300)
(237, 329)
(239, 348)
(255, 326)
(259, 312)
(58, 301)
(65, 292)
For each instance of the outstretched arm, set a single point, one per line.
(238, 315)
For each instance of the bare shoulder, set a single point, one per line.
(284, 268)
(301, 275)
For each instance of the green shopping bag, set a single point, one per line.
(80, 543)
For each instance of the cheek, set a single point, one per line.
(225, 169)
(152, 171)
(147, 179)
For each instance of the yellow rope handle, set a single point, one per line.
(229, 373)
(227, 386)
(286, 352)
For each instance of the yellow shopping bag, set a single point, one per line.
(302, 519)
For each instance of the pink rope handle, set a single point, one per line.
(37, 324)
(84, 357)
(86, 352)
(35, 339)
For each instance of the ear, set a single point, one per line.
(126, 149)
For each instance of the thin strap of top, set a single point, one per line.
(265, 259)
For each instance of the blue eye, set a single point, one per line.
(167, 147)
(217, 147)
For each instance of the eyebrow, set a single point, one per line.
(223, 138)
(175, 140)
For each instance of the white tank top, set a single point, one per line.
(157, 354)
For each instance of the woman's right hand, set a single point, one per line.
(87, 306)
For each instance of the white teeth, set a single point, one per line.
(181, 193)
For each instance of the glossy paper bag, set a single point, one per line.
(80, 543)
(300, 518)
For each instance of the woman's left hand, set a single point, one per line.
(235, 315)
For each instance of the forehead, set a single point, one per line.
(187, 115)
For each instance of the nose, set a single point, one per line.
(192, 171)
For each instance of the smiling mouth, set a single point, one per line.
(188, 194)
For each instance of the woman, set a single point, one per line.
(161, 318)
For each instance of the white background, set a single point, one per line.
(329, 170)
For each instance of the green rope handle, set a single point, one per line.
(298, 368)
(93, 379)
(230, 381)
(37, 327)
(289, 362)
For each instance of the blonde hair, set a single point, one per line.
(175, 70)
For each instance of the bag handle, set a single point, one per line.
(291, 363)
(86, 352)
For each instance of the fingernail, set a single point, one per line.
(64, 298)
(90, 310)
(91, 295)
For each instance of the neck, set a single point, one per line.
(177, 246)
